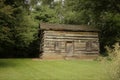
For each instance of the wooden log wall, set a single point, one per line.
(83, 42)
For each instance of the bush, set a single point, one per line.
(114, 67)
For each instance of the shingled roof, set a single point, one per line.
(65, 27)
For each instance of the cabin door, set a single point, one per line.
(69, 48)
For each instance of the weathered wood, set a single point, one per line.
(55, 43)
(62, 37)
(66, 33)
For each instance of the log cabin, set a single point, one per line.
(61, 41)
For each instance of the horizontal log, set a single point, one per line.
(80, 45)
(66, 32)
(85, 52)
(72, 35)
(59, 40)
(79, 49)
(69, 39)
(78, 37)
(48, 51)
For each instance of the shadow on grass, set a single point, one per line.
(7, 63)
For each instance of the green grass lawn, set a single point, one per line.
(28, 69)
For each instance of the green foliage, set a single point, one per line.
(80, 14)
(18, 30)
(45, 14)
(6, 12)
(47, 2)
(114, 66)
(49, 11)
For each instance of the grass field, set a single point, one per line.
(28, 69)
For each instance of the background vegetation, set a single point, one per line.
(19, 20)
(113, 68)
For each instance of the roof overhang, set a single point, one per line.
(66, 27)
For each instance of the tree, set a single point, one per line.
(18, 28)
(48, 11)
